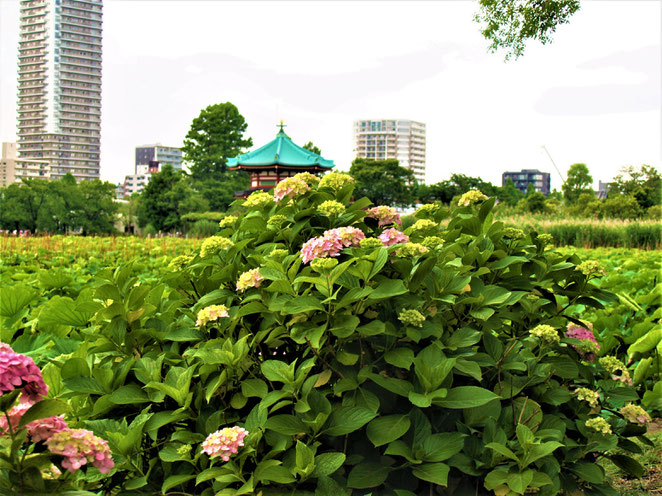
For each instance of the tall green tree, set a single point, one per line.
(384, 182)
(458, 184)
(215, 135)
(510, 194)
(312, 148)
(510, 24)
(643, 183)
(167, 197)
(579, 181)
(219, 193)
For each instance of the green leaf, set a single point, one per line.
(127, 395)
(43, 409)
(254, 388)
(383, 430)
(366, 475)
(175, 480)
(628, 464)
(14, 299)
(328, 463)
(272, 471)
(494, 295)
(441, 446)
(400, 357)
(275, 370)
(62, 310)
(589, 472)
(519, 482)
(286, 424)
(388, 288)
(347, 419)
(506, 261)
(647, 342)
(302, 304)
(466, 397)
(502, 450)
(437, 473)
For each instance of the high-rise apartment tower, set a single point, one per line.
(400, 139)
(59, 85)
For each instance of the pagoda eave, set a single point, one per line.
(302, 168)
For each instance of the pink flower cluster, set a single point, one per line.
(39, 430)
(249, 279)
(80, 446)
(224, 442)
(290, 187)
(20, 371)
(583, 334)
(330, 243)
(392, 237)
(385, 215)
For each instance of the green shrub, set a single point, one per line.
(203, 228)
(150, 230)
(435, 366)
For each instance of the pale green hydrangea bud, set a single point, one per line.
(278, 254)
(180, 262)
(412, 317)
(322, 265)
(426, 211)
(228, 221)
(184, 449)
(599, 424)
(635, 414)
(513, 233)
(331, 207)
(545, 239)
(310, 179)
(432, 242)
(589, 396)
(424, 225)
(408, 250)
(591, 268)
(546, 333)
(336, 180)
(258, 199)
(615, 367)
(276, 220)
(371, 243)
(215, 244)
(471, 197)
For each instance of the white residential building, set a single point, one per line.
(59, 85)
(401, 139)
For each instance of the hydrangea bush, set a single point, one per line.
(313, 346)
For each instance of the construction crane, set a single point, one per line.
(553, 163)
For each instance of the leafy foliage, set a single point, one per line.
(384, 182)
(215, 135)
(579, 181)
(340, 390)
(510, 24)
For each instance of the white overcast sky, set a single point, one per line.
(592, 96)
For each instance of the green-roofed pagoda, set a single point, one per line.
(275, 161)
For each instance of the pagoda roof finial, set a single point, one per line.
(281, 126)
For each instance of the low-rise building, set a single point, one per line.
(135, 183)
(522, 179)
(13, 169)
(164, 155)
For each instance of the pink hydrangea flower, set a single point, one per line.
(249, 279)
(20, 371)
(14, 414)
(331, 243)
(224, 442)
(80, 446)
(43, 429)
(586, 335)
(385, 215)
(290, 187)
(392, 237)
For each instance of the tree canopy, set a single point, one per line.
(312, 148)
(579, 181)
(384, 181)
(643, 183)
(458, 184)
(215, 135)
(61, 206)
(510, 24)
